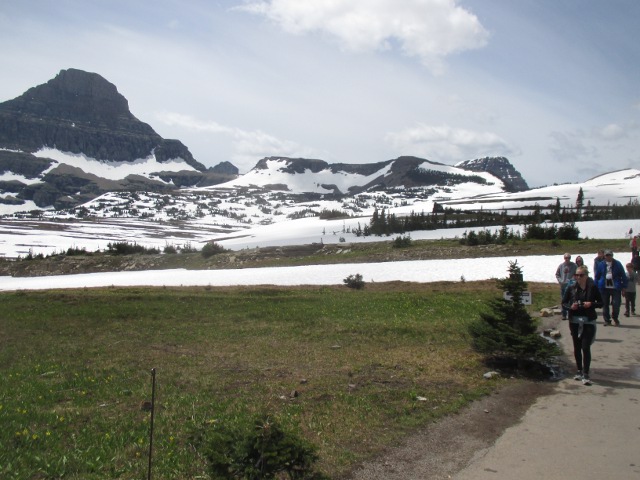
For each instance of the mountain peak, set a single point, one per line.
(82, 113)
(500, 167)
(79, 97)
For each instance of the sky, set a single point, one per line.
(553, 85)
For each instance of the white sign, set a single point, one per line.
(526, 297)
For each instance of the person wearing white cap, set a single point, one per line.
(611, 279)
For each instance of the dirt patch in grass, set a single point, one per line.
(448, 445)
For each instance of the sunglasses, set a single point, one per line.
(581, 274)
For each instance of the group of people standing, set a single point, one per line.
(581, 295)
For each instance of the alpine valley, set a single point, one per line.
(73, 159)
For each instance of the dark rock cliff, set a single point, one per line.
(499, 167)
(81, 112)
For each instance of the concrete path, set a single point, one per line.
(579, 432)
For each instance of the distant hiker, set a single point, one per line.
(599, 258)
(611, 279)
(634, 245)
(635, 260)
(630, 295)
(564, 274)
(581, 300)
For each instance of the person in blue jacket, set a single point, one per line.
(611, 279)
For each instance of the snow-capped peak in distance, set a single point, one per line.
(299, 175)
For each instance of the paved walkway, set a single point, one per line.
(579, 432)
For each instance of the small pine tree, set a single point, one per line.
(579, 202)
(260, 450)
(211, 248)
(509, 331)
(354, 281)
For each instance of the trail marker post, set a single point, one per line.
(153, 408)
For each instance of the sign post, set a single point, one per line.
(525, 298)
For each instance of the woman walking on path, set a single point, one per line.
(581, 300)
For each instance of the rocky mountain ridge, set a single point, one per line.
(302, 175)
(501, 168)
(56, 138)
(82, 114)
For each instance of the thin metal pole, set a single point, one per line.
(153, 408)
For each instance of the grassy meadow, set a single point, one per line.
(353, 371)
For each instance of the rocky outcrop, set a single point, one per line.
(81, 112)
(499, 167)
(225, 168)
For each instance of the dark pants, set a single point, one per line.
(582, 345)
(630, 302)
(563, 288)
(611, 299)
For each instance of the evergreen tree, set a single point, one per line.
(579, 202)
(555, 213)
(509, 331)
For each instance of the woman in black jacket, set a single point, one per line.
(581, 300)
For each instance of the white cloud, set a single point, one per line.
(427, 29)
(448, 144)
(617, 131)
(190, 123)
(248, 146)
(612, 131)
(569, 146)
(592, 144)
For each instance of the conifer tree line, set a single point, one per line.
(384, 223)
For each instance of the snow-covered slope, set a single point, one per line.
(277, 176)
(619, 187)
(145, 167)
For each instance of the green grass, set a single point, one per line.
(75, 366)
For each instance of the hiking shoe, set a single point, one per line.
(607, 324)
(616, 322)
(586, 380)
(578, 376)
(626, 314)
